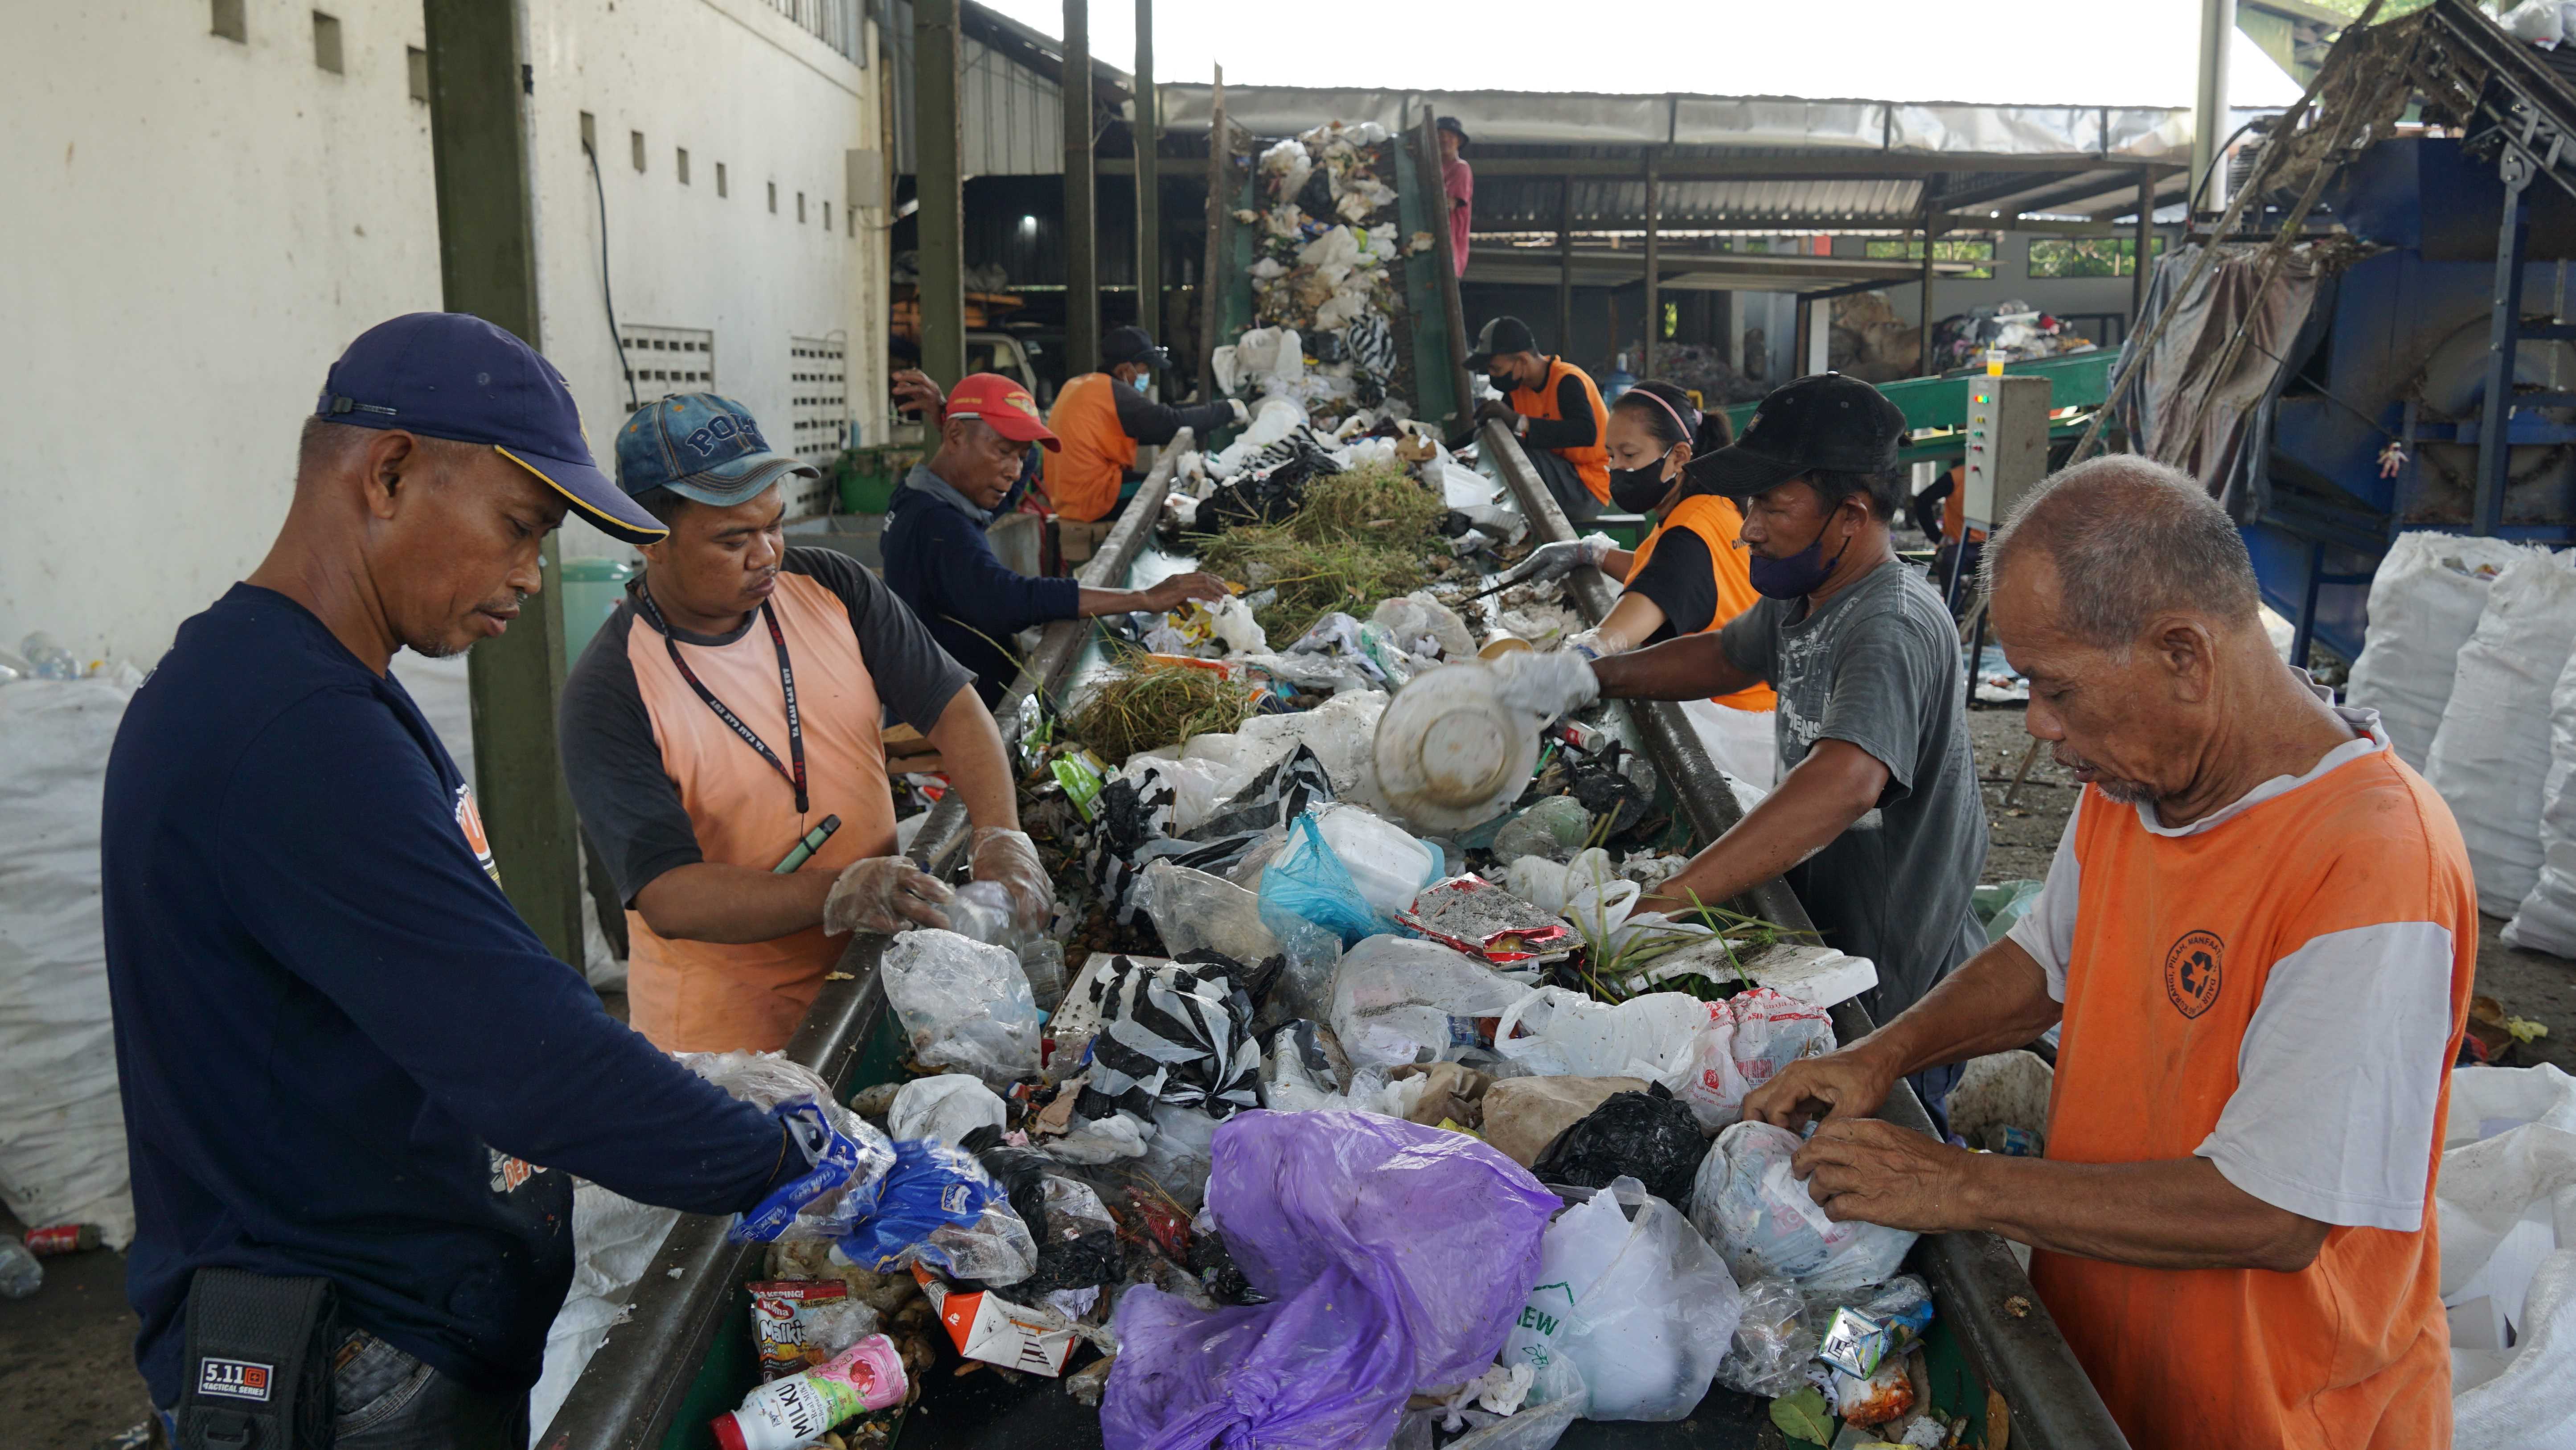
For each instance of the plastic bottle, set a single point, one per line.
(20, 1274)
(982, 910)
(796, 1411)
(51, 660)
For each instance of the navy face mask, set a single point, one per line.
(1798, 575)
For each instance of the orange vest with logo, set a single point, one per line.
(696, 996)
(1591, 464)
(1717, 522)
(1082, 478)
(2174, 939)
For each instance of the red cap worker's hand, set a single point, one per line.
(914, 392)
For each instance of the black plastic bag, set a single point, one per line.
(1649, 1136)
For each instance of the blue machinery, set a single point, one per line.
(2431, 399)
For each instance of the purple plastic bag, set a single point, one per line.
(1395, 1257)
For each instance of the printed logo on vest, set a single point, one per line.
(469, 822)
(234, 1379)
(2192, 976)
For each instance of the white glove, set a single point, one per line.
(884, 894)
(1588, 644)
(1545, 685)
(1009, 860)
(1242, 415)
(1555, 561)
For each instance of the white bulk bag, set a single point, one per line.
(2425, 601)
(2490, 759)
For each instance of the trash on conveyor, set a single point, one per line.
(964, 1004)
(785, 1414)
(1645, 1137)
(1630, 1311)
(1753, 1207)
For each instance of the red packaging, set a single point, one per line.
(62, 1238)
(775, 1331)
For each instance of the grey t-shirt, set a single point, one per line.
(1879, 665)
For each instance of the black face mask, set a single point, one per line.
(1638, 490)
(1503, 383)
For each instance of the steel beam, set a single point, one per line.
(2504, 338)
(487, 266)
(1081, 200)
(1931, 231)
(2146, 242)
(1220, 215)
(1814, 167)
(2209, 100)
(1148, 130)
(938, 149)
(1654, 330)
(1565, 266)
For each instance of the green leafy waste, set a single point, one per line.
(1803, 1416)
(1361, 536)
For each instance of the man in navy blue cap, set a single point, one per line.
(346, 1063)
(730, 707)
(1877, 821)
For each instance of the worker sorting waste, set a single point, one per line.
(1551, 405)
(1101, 416)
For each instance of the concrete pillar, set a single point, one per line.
(1081, 230)
(938, 147)
(1149, 171)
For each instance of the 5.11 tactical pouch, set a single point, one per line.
(258, 1367)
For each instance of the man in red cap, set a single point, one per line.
(938, 561)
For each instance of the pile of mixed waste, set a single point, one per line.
(2017, 330)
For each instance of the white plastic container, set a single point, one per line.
(1388, 866)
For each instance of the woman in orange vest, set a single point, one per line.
(1689, 576)
(1102, 416)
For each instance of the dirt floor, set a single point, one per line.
(67, 1379)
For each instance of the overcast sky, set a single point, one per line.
(1997, 52)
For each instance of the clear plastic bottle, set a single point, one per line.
(50, 659)
(982, 910)
(20, 1274)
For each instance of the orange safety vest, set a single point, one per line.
(2175, 938)
(1082, 479)
(1591, 464)
(696, 996)
(1717, 522)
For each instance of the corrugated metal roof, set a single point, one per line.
(1519, 203)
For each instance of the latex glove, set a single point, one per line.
(884, 894)
(1545, 685)
(1007, 859)
(1496, 410)
(1588, 644)
(1555, 561)
(1242, 414)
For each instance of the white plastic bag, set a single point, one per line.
(1388, 865)
(1397, 998)
(1744, 1042)
(1642, 1308)
(1555, 1032)
(963, 1004)
(613, 1240)
(946, 1107)
(2490, 759)
(2425, 600)
(1758, 1214)
(2506, 1207)
(2547, 920)
(2486, 1101)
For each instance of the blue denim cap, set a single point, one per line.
(454, 376)
(702, 447)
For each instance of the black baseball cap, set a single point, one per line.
(1501, 335)
(1450, 125)
(455, 376)
(1828, 423)
(1133, 345)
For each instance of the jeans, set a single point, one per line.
(386, 1400)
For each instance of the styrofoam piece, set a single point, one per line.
(1816, 975)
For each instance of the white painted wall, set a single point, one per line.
(196, 227)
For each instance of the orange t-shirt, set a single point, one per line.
(1592, 462)
(1716, 521)
(2279, 988)
(1082, 479)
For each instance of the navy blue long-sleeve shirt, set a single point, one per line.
(341, 1052)
(938, 561)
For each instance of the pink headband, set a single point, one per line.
(1688, 432)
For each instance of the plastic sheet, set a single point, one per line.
(1631, 1296)
(1399, 999)
(1759, 1215)
(963, 1004)
(1646, 1137)
(1393, 1256)
(1177, 1032)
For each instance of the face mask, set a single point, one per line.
(1137, 382)
(1798, 575)
(1638, 490)
(1503, 382)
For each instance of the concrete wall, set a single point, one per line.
(196, 226)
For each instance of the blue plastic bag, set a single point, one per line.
(1307, 882)
(856, 1165)
(930, 1187)
(1395, 1257)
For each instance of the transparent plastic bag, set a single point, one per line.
(941, 1208)
(963, 1004)
(1772, 1344)
(1561, 1033)
(1631, 1295)
(1747, 1202)
(1397, 998)
(1191, 910)
(946, 1107)
(840, 1192)
(1743, 1044)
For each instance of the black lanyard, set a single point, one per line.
(786, 683)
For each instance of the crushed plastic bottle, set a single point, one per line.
(20, 1274)
(982, 910)
(48, 658)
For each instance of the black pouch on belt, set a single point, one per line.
(259, 1362)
